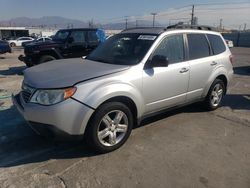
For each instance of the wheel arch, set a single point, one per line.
(53, 53)
(220, 73)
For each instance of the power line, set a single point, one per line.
(225, 3)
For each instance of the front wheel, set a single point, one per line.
(110, 127)
(215, 95)
(46, 58)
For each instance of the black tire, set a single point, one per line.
(96, 121)
(46, 58)
(208, 102)
(12, 44)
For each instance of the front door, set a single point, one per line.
(165, 87)
(77, 44)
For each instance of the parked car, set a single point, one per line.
(229, 43)
(67, 43)
(41, 39)
(19, 41)
(133, 75)
(4, 47)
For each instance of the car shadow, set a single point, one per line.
(244, 70)
(237, 101)
(20, 145)
(13, 71)
(233, 101)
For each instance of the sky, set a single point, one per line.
(105, 11)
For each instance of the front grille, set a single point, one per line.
(26, 96)
(27, 92)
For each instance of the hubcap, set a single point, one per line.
(112, 128)
(216, 95)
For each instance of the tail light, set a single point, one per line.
(231, 58)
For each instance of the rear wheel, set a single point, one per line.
(46, 58)
(110, 127)
(215, 95)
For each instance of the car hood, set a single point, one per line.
(67, 72)
(45, 44)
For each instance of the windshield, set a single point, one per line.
(61, 35)
(123, 49)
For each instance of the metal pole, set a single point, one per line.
(153, 14)
(221, 24)
(192, 16)
(126, 25)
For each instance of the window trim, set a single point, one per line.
(212, 50)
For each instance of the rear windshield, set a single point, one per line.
(123, 49)
(216, 43)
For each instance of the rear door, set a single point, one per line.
(201, 64)
(76, 45)
(93, 40)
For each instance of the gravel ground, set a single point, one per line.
(187, 147)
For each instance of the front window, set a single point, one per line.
(123, 49)
(61, 35)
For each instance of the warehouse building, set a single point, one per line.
(13, 32)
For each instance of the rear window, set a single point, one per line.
(216, 43)
(198, 46)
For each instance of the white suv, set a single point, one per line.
(132, 75)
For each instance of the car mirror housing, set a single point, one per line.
(159, 61)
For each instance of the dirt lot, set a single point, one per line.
(184, 148)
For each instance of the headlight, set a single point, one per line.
(53, 96)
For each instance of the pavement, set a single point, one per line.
(188, 147)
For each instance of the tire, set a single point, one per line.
(103, 133)
(215, 95)
(46, 58)
(12, 44)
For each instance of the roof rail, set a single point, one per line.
(187, 26)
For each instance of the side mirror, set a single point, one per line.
(70, 40)
(159, 61)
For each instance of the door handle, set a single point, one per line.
(184, 70)
(213, 63)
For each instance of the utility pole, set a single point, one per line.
(192, 15)
(245, 26)
(221, 23)
(153, 14)
(126, 22)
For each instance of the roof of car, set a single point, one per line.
(73, 29)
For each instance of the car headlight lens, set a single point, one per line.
(52, 96)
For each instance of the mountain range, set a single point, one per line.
(61, 22)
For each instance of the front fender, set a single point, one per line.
(94, 95)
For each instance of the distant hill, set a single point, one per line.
(61, 22)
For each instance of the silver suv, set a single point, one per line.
(131, 76)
